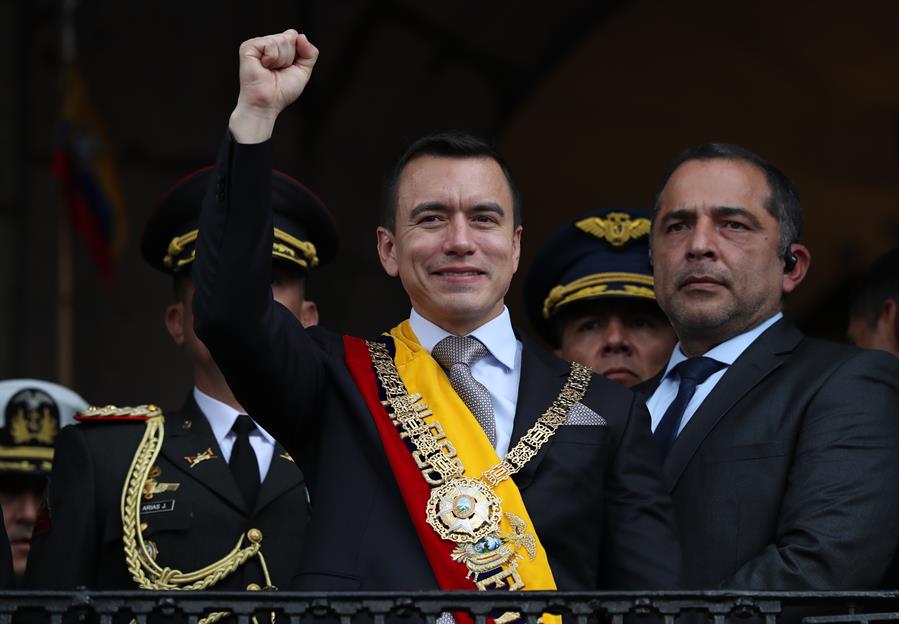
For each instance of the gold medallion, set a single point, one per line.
(464, 510)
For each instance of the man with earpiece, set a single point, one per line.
(779, 451)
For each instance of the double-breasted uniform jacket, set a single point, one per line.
(189, 526)
(593, 493)
(787, 476)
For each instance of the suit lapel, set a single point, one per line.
(283, 475)
(188, 441)
(759, 360)
(542, 377)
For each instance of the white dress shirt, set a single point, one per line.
(726, 352)
(221, 418)
(499, 371)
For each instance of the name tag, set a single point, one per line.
(157, 506)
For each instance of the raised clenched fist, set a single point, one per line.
(274, 71)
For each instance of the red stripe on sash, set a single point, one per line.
(415, 491)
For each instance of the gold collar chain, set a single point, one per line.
(463, 509)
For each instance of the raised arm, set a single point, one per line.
(270, 363)
(274, 71)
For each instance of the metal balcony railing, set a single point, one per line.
(708, 607)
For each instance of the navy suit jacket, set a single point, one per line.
(787, 475)
(593, 492)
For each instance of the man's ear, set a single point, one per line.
(387, 251)
(516, 247)
(794, 276)
(174, 322)
(308, 314)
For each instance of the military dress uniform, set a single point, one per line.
(191, 512)
(137, 492)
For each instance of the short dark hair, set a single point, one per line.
(879, 283)
(449, 144)
(783, 198)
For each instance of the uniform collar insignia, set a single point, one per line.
(200, 457)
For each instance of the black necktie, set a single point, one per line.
(692, 372)
(243, 460)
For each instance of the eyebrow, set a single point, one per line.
(680, 214)
(442, 208)
(684, 214)
(729, 211)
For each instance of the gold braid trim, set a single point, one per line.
(144, 570)
(289, 248)
(635, 285)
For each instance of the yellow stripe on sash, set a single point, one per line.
(420, 373)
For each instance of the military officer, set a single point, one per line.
(207, 491)
(31, 414)
(590, 294)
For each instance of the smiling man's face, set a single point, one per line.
(715, 250)
(455, 246)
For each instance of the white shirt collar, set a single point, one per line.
(729, 350)
(221, 416)
(497, 335)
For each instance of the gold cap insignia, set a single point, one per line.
(617, 228)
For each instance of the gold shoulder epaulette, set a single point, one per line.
(111, 413)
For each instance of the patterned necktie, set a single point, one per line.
(456, 354)
(692, 372)
(243, 463)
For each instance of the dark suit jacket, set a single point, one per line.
(198, 523)
(787, 476)
(593, 492)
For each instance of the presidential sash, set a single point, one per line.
(467, 512)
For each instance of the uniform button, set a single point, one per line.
(254, 535)
(253, 587)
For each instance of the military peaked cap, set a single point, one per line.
(31, 414)
(600, 254)
(305, 235)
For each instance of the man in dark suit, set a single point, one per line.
(779, 450)
(584, 507)
(206, 486)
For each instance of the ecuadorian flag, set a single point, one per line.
(84, 165)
